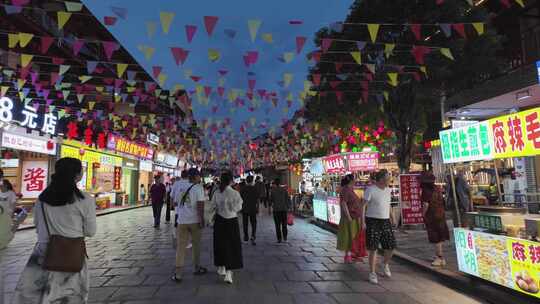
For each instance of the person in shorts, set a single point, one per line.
(379, 233)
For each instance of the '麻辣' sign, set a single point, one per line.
(512, 135)
(120, 144)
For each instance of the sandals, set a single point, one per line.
(200, 271)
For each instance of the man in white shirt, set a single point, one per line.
(190, 220)
(378, 223)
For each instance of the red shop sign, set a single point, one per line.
(334, 164)
(411, 204)
(363, 161)
(117, 177)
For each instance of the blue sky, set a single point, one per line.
(234, 15)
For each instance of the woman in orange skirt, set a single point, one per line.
(351, 234)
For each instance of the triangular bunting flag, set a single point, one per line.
(73, 6)
(109, 47)
(109, 20)
(393, 79)
(46, 44)
(520, 2)
(479, 27)
(373, 31)
(151, 28)
(267, 37)
(357, 57)
(288, 57)
(417, 31)
(84, 78)
(120, 69)
(389, 49)
(447, 29)
(300, 41)
(190, 32)
(460, 28)
(162, 78)
(25, 59)
(91, 66)
(179, 55)
(325, 44)
(63, 18)
(156, 70)
(77, 45)
(13, 40)
(119, 11)
(213, 55)
(447, 53)
(166, 19)
(253, 26)
(24, 39)
(210, 24)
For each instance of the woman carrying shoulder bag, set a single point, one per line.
(57, 270)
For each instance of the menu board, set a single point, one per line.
(362, 161)
(334, 164)
(474, 142)
(510, 262)
(411, 205)
(320, 209)
(334, 210)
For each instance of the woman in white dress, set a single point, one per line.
(227, 244)
(69, 213)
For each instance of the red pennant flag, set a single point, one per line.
(221, 91)
(364, 85)
(249, 95)
(156, 70)
(339, 95)
(46, 44)
(317, 79)
(210, 23)
(365, 95)
(190, 32)
(109, 20)
(335, 83)
(326, 43)
(57, 60)
(460, 28)
(316, 56)
(179, 55)
(416, 29)
(506, 3)
(207, 90)
(419, 51)
(251, 83)
(439, 2)
(300, 41)
(196, 78)
(339, 65)
(246, 60)
(77, 45)
(109, 47)
(262, 92)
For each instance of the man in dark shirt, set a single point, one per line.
(157, 195)
(280, 202)
(250, 208)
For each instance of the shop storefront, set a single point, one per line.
(130, 179)
(166, 164)
(146, 168)
(500, 241)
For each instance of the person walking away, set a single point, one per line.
(463, 192)
(250, 208)
(227, 244)
(261, 189)
(190, 223)
(434, 216)
(142, 193)
(157, 195)
(280, 202)
(61, 210)
(8, 201)
(179, 187)
(378, 224)
(351, 235)
(169, 200)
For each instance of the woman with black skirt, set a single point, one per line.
(227, 244)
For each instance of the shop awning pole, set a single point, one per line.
(454, 193)
(499, 192)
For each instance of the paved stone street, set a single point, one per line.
(131, 263)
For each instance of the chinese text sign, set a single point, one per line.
(411, 204)
(34, 178)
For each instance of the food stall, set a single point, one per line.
(500, 242)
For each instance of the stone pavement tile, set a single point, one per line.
(178, 291)
(353, 298)
(134, 293)
(397, 286)
(122, 271)
(268, 275)
(128, 280)
(98, 281)
(312, 266)
(101, 294)
(364, 286)
(264, 298)
(339, 266)
(158, 279)
(315, 298)
(97, 272)
(143, 302)
(393, 298)
(292, 259)
(113, 264)
(282, 266)
(166, 269)
(255, 287)
(293, 287)
(221, 288)
(330, 286)
(318, 259)
(336, 276)
(302, 276)
(145, 263)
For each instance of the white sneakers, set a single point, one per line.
(373, 278)
(228, 277)
(385, 270)
(221, 270)
(438, 262)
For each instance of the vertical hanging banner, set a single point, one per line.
(34, 178)
(411, 205)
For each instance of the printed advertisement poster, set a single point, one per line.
(525, 262)
(492, 258)
(465, 251)
(362, 161)
(34, 178)
(411, 205)
(334, 211)
(334, 164)
(320, 210)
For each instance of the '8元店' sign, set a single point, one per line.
(513, 135)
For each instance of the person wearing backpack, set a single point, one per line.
(190, 222)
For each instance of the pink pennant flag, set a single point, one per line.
(506, 3)
(300, 41)
(57, 60)
(417, 31)
(156, 70)
(46, 43)
(221, 91)
(77, 45)
(179, 55)
(246, 60)
(109, 47)
(207, 91)
(251, 83)
(335, 83)
(24, 72)
(249, 95)
(223, 72)
(109, 20)
(419, 51)
(190, 32)
(460, 28)
(253, 56)
(326, 43)
(20, 2)
(364, 85)
(317, 79)
(339, 95)
(210, 23)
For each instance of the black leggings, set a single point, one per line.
(251, 217)
(280, 220)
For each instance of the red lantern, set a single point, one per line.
(88, 136)
(101, 140)
(73, 131)
(50, 145)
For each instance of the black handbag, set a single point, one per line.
(63, 254)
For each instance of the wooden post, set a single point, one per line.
(454, 194)
(499, 192)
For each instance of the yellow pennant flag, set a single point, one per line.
(287, 78)
(371, 67)
(373, 31)
(3, 90)
(166, 20)
(20, 83)
(124, 123)
(357, 57)
(121, 69)
(386, 95)
(84, 79)
(13, 39)
(389, 49)
(393, 79)
(25, 59)
(307, 85)
(162, 78)
(130, 89)
(91, 105)
(288, 57)
(24, 39)
(423, 69)
(479, 27)
(213, 55)
(63, 18)
(100, 89)
(447, 53)
(151, 28)
(117, 98)
(268, 38)
(520, 2)
(253, 26)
